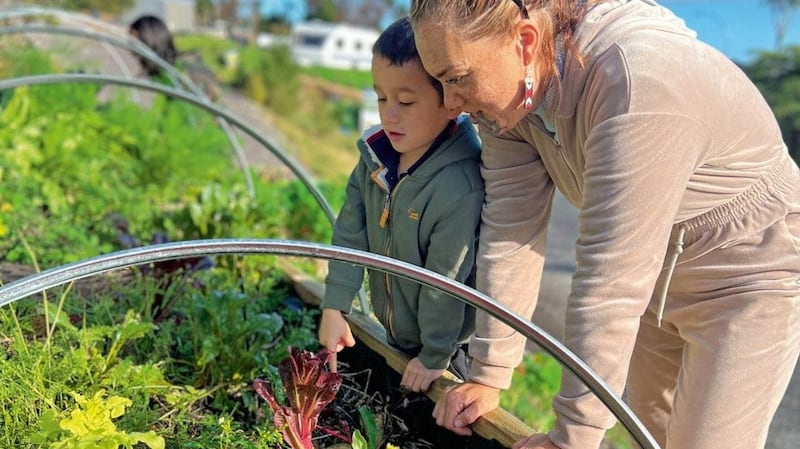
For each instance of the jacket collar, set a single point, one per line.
(384, 159)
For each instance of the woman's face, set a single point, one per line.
(483, 77)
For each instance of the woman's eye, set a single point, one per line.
(406, 103)
(381, 100)
(453, 81)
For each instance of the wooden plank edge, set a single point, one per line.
(499, 424)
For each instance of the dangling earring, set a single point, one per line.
(528, 102)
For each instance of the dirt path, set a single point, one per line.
(260, 118)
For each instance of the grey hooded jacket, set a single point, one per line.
(430, 218)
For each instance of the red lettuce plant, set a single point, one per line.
(309, 388)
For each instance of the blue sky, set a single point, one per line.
(736, 27)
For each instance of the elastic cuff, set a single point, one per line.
(489, 375)
(568, 434)
(338, 297)
(434, 360)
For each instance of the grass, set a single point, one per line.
(358, 79)
(329, 158)
(536, 381)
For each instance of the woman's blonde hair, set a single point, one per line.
(474, 19)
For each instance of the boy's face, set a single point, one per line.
(411, 110)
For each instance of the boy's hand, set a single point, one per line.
(334, 334)
(418, 378)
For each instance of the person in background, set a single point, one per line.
(415, 195)
(154, 33)
(687, 286)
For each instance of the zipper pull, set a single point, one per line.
(385, 212)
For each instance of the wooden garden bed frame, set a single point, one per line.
(498, 425)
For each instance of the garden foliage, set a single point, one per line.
(154, 360)
(308, 387)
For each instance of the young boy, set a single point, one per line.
(415, 195)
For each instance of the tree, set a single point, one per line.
(782, 13)
(205, 12)
(364, 12)
(777, 75)
(324, 10)
(229, 10)
(255, 17)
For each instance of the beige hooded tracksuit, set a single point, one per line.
(688, 257)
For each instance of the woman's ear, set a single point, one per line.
(529, 40)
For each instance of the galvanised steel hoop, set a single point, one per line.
(226, 116)
(66, 273)
(175, 76)
(129, 43)
(298, 171)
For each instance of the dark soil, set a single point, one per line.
(406, 418)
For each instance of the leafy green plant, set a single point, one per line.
(308, 386)
(359, 442)
(90, 425)
(225, 432)
(229, 334)
(374, 433)
(65, 157)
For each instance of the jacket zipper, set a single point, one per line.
(558, 148)
(386, 215)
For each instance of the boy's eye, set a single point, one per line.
(381, 100)
(406, 103)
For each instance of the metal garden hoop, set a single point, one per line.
(66, 273)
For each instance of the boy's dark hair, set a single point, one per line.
(396, 44)
(154, 33)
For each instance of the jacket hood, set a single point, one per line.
(378, 154)
(602, 26)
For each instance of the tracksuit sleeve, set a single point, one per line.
(350, 230)
(637, 170)
(511, 251)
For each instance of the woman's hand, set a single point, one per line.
(418, 378)
(461, 405)
(334, 334)
(537, 441)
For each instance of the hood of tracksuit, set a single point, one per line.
(382, 159)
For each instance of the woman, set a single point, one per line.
(154, 33)
(688, 258)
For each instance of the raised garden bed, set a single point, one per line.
(371, 380)
(382, 364)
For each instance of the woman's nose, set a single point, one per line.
(452, 100)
